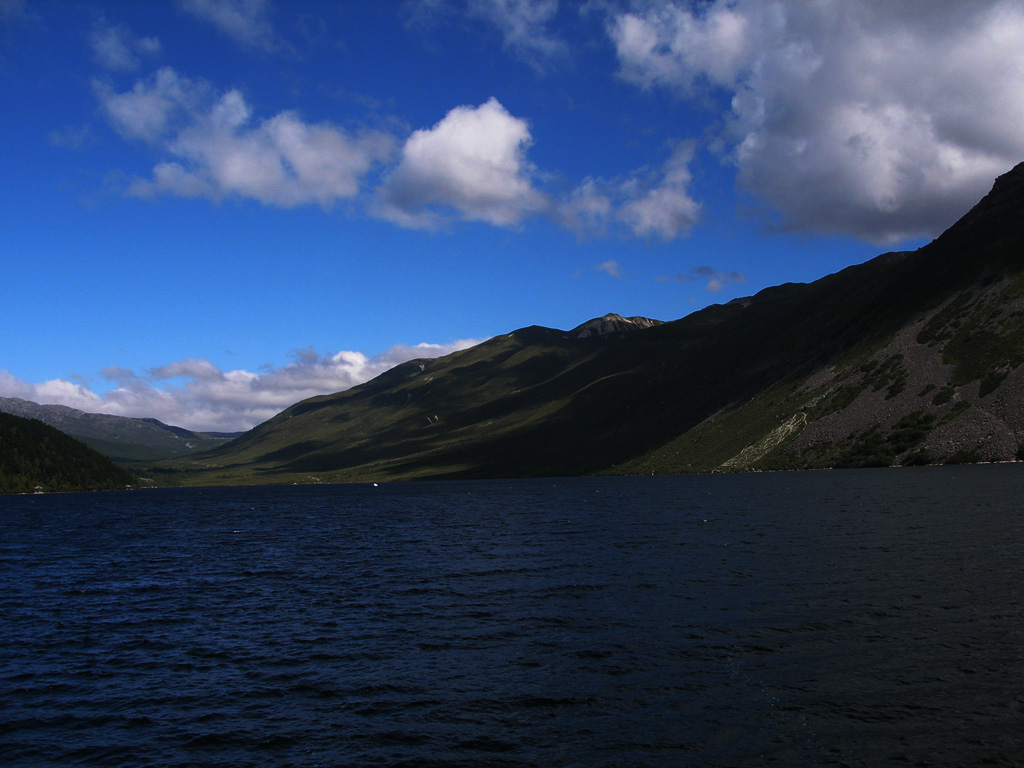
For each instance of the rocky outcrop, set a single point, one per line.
(610, 325)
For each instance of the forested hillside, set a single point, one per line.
(34, 456)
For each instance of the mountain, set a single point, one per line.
(910, 358)
(611, 325)
(122, 439)
(38, 457)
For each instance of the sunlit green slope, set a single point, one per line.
(909, 358)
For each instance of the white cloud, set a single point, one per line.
(216, 149)
(587, 209)
(610, 268)
(200, 370)
(197, 395)
(472, 163)
(116, 48)
(55, 391)
(665, 211)
(470, 166)
(244, 21)
(666, 208)
(154, 106)
(649, 203)
(675, 47)
(525, 28)
(881, 120)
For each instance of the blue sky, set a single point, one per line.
(211, 209)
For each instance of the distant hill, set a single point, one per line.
(38, 457)
(122, 439)
(910, 358)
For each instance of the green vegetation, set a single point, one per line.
(869, 450)
(731, 387)
(955, 411)
(986, 353)
(890, 374)
(540, 402)
(946, 322)
(919, 458)
(34, 456)
(910, 431)
(979, 337)
(964, 456)
(874, 448)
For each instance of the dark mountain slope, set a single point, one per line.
(928, 368)
(751, 378)
(35, 456)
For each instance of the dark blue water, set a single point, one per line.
(856, 618)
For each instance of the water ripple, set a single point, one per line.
(841, 618)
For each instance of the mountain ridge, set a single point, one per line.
(908, 358)
(121, 438)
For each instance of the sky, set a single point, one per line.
(212, 209)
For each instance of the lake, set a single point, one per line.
(846, 618)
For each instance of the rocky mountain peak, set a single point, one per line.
(611, 324)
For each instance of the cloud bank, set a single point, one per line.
(197, 395)
(218, 150)
(472, 166)
(879, 120)
(883, 121)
